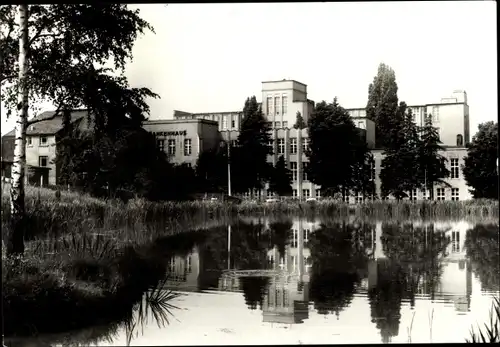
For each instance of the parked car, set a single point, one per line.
(311, 200)
(272, 200)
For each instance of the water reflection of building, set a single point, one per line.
(183, 271)
(453, 284)
(287, 298)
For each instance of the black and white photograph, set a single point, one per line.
(192, 174)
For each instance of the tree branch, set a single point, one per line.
(34, 121)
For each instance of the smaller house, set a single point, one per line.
(41, 147)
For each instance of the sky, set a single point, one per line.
(211, 57)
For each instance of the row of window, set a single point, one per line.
(292, 145)
(440, 194)
(171, 146)
(42, 141)
(224, 122)
(278, 124)
(280, 105)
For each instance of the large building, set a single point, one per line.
(281, 100)
(189, 134)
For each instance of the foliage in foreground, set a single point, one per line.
(491, 332)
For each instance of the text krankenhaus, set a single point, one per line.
(171, 133)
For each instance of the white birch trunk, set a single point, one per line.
(15, 242)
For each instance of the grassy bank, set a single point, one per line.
(86, 261)
(81, 280)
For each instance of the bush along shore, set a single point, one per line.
(93, 283)
(86, 261)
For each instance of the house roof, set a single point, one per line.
(52, 126)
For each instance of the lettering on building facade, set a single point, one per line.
(170, 133)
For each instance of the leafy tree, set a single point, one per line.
(55, 60)
(399, 173)
(383, 104)
(431, 165)
(250, 157)
(211, 170)
(481, 164)
(299, 122)
(281, 181)
(336, 150)
(254, 290)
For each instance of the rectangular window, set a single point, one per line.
(270, 193)
(224, 122)
(304, 171)
(277, 105)
(284, 104)
(293, 146)
(188, 165)
(28, 141)
(294, 193)
(359, 198)
(306, 193)
(413, 195)
(293, 168)
(171, 147)
(345, 196)
(188, 264)
(269, 105)
(454, 194)
(318, 193)
(281, 146)
(43, 141)
(440, 194)
(43, 161)
(435, 113)
(305, 144)
(285, 124)
(187, 147)
(233, 122)
(454, 172)
(161, 145)
(425, 196)
(234, 143)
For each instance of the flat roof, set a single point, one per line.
(180, 121)
(285, 80)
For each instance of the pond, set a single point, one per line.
(292, 281)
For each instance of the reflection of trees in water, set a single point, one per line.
(336, 262)
(412, 253)
(254, 290)
(482, 247)
(385, 299)
(417, 251)
(249, 246)
(280, 234)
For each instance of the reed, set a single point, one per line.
(491, 331)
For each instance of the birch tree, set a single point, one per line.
(59, 54)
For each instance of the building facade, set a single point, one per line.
(184, 139)
(189, 134)
(281, 100)
(41, 147)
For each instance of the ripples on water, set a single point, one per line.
(291, 281)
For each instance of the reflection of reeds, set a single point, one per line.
(410, 328)
(491, 332)
(156, 304)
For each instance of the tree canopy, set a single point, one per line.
(480, 167)
(336, 149)
(250, 157)
(382, 104)
(281, 180)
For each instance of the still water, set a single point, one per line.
(294, 281)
